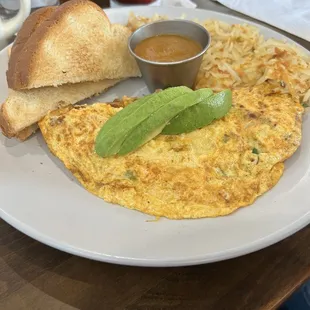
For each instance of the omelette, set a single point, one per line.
(209, 172)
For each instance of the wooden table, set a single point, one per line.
(36, 277)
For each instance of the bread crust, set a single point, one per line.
(36, 28)
(5, 123)
(26, 133)
(29, 27)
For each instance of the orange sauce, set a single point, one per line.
(167, 48)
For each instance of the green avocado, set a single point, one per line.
(201, 114)
(154, 124)
(115, 130)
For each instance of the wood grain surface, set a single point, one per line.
(37, 277)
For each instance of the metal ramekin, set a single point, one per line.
(160, 75)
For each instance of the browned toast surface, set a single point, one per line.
(72, 43)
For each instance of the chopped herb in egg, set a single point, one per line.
(130, 175)
(225, 138)
(255, 151)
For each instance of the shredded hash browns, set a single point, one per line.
(240, 56)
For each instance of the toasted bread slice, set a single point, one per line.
(23, 109)
(72, 43)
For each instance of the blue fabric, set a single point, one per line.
(300, 300)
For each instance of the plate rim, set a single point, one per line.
(248, 248)
(244, 249)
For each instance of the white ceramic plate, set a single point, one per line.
(42, 199)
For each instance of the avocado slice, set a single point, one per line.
(154, 124)
(201, 114)
(114, 131)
